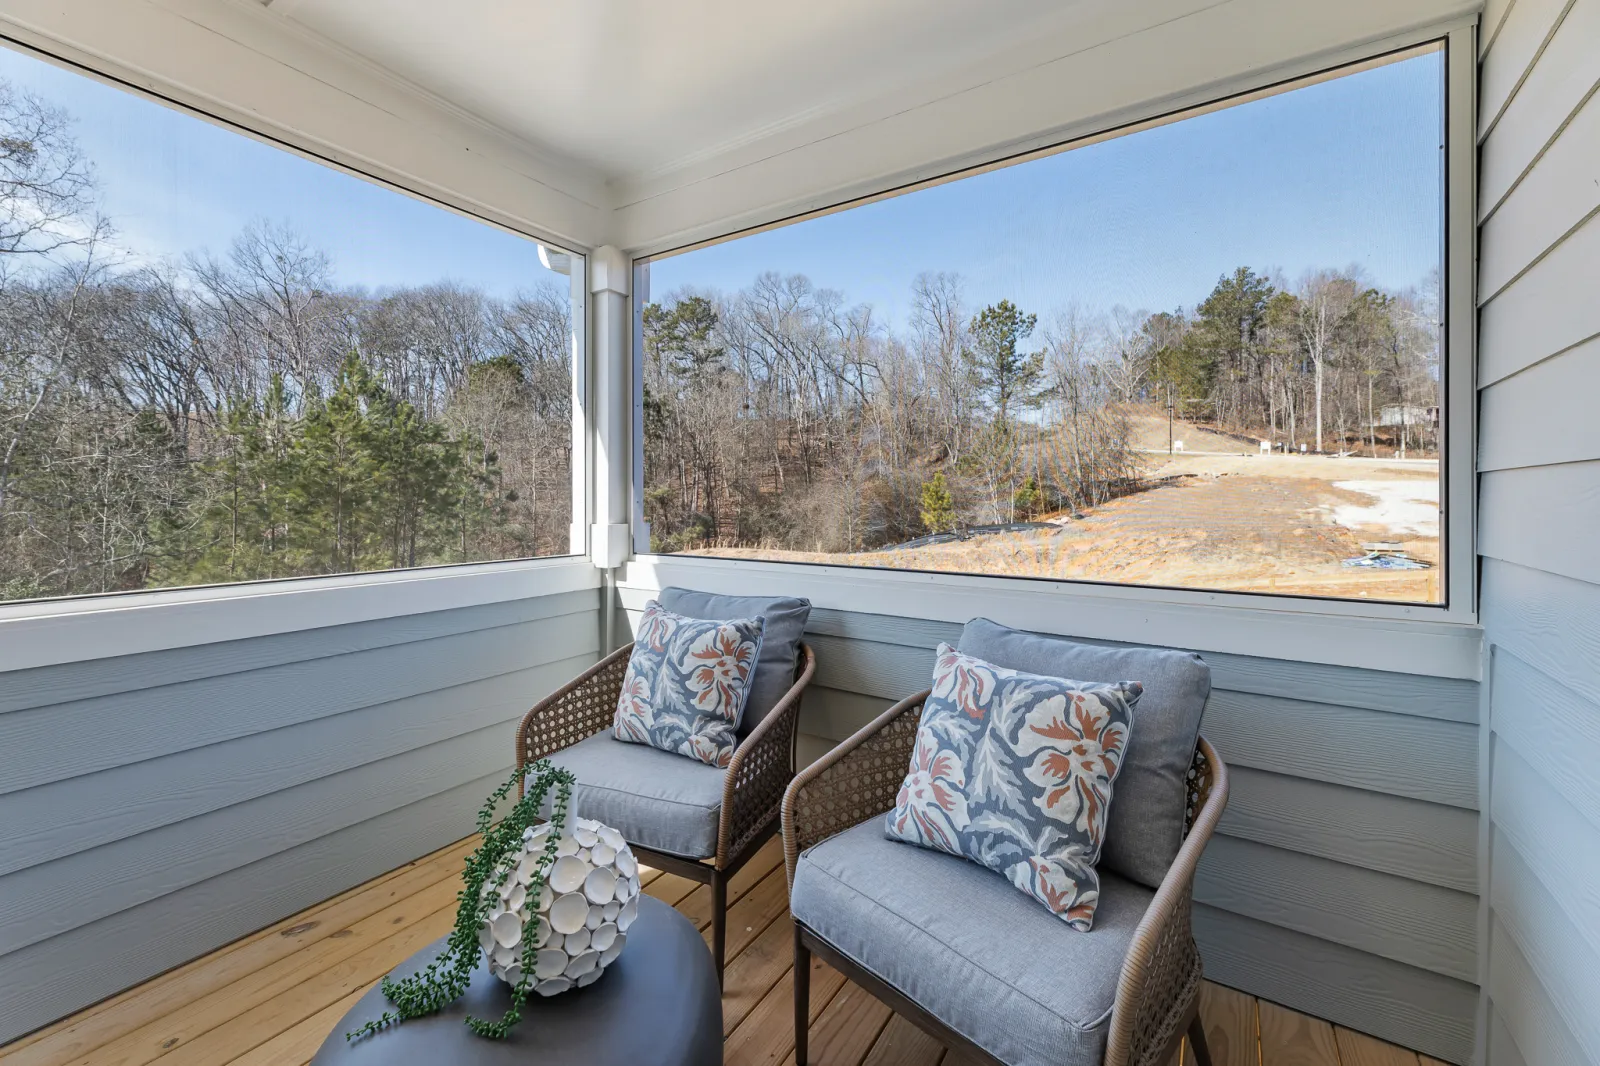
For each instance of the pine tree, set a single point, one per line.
(332, 474)
(938, 506)
(1010, 379)
(1029, 499)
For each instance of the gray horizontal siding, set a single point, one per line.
(1427, 842)
(129, 673)
(1551, 623)
(1348, 856)
(71, 739)
(1565, 497)
(1523, 1012)
(1558, 81)
(1381, 914)
(58, 976)
(1403, 1004)
(1539, 368)
(1560, 952)
(138, 809)
(1543, 415)
(69, 816)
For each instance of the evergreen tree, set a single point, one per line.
(1226, 335)
(938, 505)
(1008, 378)
(1029, 499)
(333, 472)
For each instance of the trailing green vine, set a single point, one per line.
(446, 978)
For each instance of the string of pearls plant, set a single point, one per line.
(446, 978)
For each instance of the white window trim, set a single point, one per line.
(49, 632)
(1459, 491)
(38, 633)
(1202, 621)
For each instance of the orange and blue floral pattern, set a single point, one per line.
(1014, 771)
(687, 683)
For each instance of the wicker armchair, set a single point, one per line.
(1157, 993)
(752, 788)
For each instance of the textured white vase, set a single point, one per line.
(583, 913)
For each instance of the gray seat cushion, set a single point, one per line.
(1144, 827)
(969, 948)
(785, 618)
(653, 798)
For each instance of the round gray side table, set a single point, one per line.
(658, 1003)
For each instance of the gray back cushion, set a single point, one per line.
(1144, 827)
(780, 641)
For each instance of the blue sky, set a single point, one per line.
(1345, 172)
(173, 184)
(1340, 173)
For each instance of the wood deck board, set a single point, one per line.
(271, 998)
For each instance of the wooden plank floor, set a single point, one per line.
(271, 998)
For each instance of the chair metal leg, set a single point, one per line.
(1197, 1042)
(802, 997)
(719, 919)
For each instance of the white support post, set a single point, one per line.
(610, 536)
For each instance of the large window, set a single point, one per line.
(1206, 353)
(221, 361)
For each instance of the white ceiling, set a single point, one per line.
(631, 88)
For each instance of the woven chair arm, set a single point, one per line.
(762, 767)
(1161, 973)
(579, 710)
(851, 783)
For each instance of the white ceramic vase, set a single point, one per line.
(583, 913)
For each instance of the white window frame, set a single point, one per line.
(65, 629)
(899, 590)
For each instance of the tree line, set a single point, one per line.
(242, 416)
(782, 416)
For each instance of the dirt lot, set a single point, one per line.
(1259, 523)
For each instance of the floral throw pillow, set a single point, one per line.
(1014, 771)
(687, 683)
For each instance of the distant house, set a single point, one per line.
(1397, 414)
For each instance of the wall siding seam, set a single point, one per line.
(1522, 639)
(82, 839)
(1400, 1003)
(20, 779)
(1523, 77)
(1567, 766)
(41, 983)
(1544, 253)
(1543, 957)
(1529, 1016)
(1538, 155)
(1540, 862)
(1494, 32)
(1401, 929)
(321, 650)
(36, 911)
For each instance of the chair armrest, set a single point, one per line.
(1161, 973)
(762, 767)
(579, 710)
(854, 781)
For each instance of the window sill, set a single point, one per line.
(51, 632)
(1394, 637)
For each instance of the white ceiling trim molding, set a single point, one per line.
(241, 63)
(1020, 101)
(1077, 27)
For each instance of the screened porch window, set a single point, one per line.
(1201, 353)
(223, 361)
